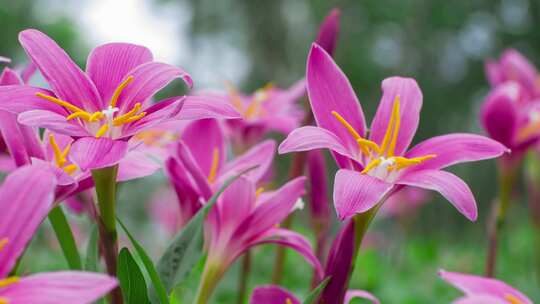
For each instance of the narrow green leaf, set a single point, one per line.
(65, 238)
(312, 297)
(131, 279)
(92, 252)
(186, 247)
(148, 265)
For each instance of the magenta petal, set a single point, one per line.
(187, 193)
(148, 79)
(455, 148)
(136, 164)
(207, 106)
(356, 193)
(328, 31)
(329, 90)
(448, 185)
(53, 122)
(94, 153)
(22, 142)
(184, 156)
(26, 197)
(493, 72)
(22, 98)
(410, 105)
(108, 65)
(159, 113)
(63, 75)
(318, 181)
(351, 294)
(520, 69)
(272, 294)
(311, 138)
(499, 114)
(9, 77)
(236, 203)
(260, 155)
(68, 287)
(203, 137)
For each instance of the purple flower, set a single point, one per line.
(376, 166)
(26, 196)
(271, 294)
(480, 290)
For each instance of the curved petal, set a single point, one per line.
(207, 106)
(410, 97)
(159, 113)
(204, 137)
(148, 79)
(66, 79)
(520, 69)
(9, 77)
(329, 90)
(272, 294)
(136, 164)
(356, 193)
(67, 287)
(318, 181)
(184, 155)
(186, 190)
(22, 98)
(448, 185)
(493, 72)
(94, 153)
(53, 122)
(22, 141)
(311, 138)
(108, 64)
(499, 115)
(26, 197)
(236, 203)
(455, 148)
(351, 294)
(260, 155)
(328, 31)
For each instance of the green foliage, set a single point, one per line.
(131, 279)
(312, 297)
(65, 238)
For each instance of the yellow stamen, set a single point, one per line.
(3, 243)
(369, 144)
(252, 109)
(258, 192)
(70, 168)
(8, 281)
(374, 163)
(81, 114)
(235, 97)
(60, 102)
(119, 89)
(104, 128)
(129, 116)
(131, 119)
(59, 156)
(390, 137)
(512, 299)
(96, 116)
(214, 165)
(288, 301)
(529, 130)
(4, 300)
(352, 131)
(403, 162)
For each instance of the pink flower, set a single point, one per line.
(405, 202)
(375, 167)
(26, 197)
(271, 294)
(481, 290)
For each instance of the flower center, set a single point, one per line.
(512, 299)
(106, 119)
(254, 108)
(379, 160)
(531, 129)
(60, 156)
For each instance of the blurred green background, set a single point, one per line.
(442, 44)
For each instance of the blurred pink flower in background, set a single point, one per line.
(405, 202)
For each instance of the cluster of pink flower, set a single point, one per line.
(102, 127)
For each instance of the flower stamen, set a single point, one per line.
(3, 243)
(388, 145)
(214, 166)
(512, 299)
(102, 130)
(129, 116)
(352, 131)
(59, 156)
(8, 281)
(119, 89)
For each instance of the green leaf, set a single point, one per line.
(92, 252)
(186, 248)
(312, 297)
(65, 238)
(148, 265)
(131, 279)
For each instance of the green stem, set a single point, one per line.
(65, 238)
(244, 277)
(105, 183)
(211, 275)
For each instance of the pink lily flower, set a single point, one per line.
(328, 31)
(373, 168)
(481, 290)
(26, 196)
(271, 294)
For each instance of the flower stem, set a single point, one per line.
(244, 277)
(507, 177)
(209, 280)
(105, 183)
(65, 238)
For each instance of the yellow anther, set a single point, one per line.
(129, 116)
(253, 108)
(81, 114)
(8, 281)
(70, 168)
(3, 243)
(131, 119)
(390, 137)
(214, 165)
(119, 89)
(59, 156)
(259, 191)
(512, 299)
(403, 162)
(104, 128)
(4, 300)
(374, 163)
(288, 301)
(361, 141)
(235, 97)
(96, 116)
(60, 102)
(368, 144)
(531, 129)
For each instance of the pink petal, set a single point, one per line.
(159, 113)
(26, 197)
(455, 148)
(410, 105)
(499, 114)
(329, 90)
(63, 75)
(351, 294)
(207, 106)
(520, 69)
(448, 185)
(329, 31)
(53, 122)
(22, 142)
(108, 65)
(236, 203)
(318, 180)
(493, 72)
(94, 153)
(28, 71)
(148, 79)
(203, 137)
(22, 98)
(272, 294)
(9, 77)
(68, 287)
(260, 155)
(477, 285)
(311, 138)
(136, 164)
(186, 190)
(184, 156)
(357, 193)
